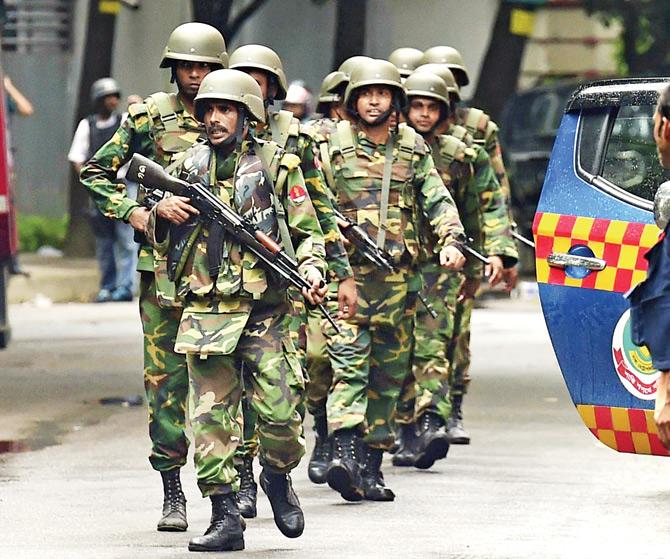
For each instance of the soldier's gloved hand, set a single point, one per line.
(510, 277)
(347, 298)
(176, 209)
(139, 218)
(494, 270)
(452, 258)
(317, 292)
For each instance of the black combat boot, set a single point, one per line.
(225, 531)
(374, 488)
(285, 505)
(455, 430)
(433, 441)
(406, 453)
(246, 496)
(174, 504)
(318, 462)
(344, 470)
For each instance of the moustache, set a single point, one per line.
(216, 129)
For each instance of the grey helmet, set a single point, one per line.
(195, 42)
(230, 85)
(104, 87)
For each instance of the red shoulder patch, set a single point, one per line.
(297, 194)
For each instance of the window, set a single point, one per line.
(37, 25)
(630, 159)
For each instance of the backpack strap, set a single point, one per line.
(407, 142)
(345, 139)
(280, 127)
(166, 110)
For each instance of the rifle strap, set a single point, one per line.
(282, 175)
(386, 190)
(166, 111)
(280, 124)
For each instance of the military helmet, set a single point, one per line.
(452, 58)
(195, 42)
(446, 74)
(230, 85)
(426, 84)
(260, 57)
(329, 86)
(375, 72)
(104, 87)
(406, 59)
(350, 63)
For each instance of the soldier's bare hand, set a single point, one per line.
(469, 289)
(662, 411)
(347, 299)
(176, 209)
(317, 292)
(139, 218)
(452, 258)
(510, 277)
(494, 270)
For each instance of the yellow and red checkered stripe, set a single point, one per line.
(623, 429)
(622, 244)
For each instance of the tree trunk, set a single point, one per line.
(350, 30)
(500, 71)
(97, 63)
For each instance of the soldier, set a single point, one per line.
(330, 96)
(483, 132)
(237, 312)
(265, 66)
(386, 182)
(161, 128)
(406, 59)
(468, 175)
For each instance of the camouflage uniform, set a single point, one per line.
(468, 174)
(499, 242)
(151, 130)
(295, 139)
(371, 356)
(240, 317)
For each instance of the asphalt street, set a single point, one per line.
(534, 483)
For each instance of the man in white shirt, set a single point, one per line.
(116, 250)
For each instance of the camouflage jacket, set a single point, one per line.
(296, 139)
(239, 182)
(485, 132)
(467, 172)
(417, 193)
(148, 130)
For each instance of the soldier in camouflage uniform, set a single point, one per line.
(235, 326)
(385, 181)
(459, 350)
(468, 175)
(161, 128)
(265, 66)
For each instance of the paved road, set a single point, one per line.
(534, 483)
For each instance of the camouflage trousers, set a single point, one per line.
(426, 384)
(165, 379)
(369, 359)
(264, 366)
(459, 351)
(317, 365)
(297, 331)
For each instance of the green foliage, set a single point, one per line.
(645, 33)
(36, 231)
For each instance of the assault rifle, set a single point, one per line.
(154, 178)
(357, 236)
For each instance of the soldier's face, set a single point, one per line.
(423, 114)
(220, 121)
(264, 81)
(662, 139)
(373, 101)
(110, 103)
(189, 75)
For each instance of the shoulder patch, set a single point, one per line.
(297, 194)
